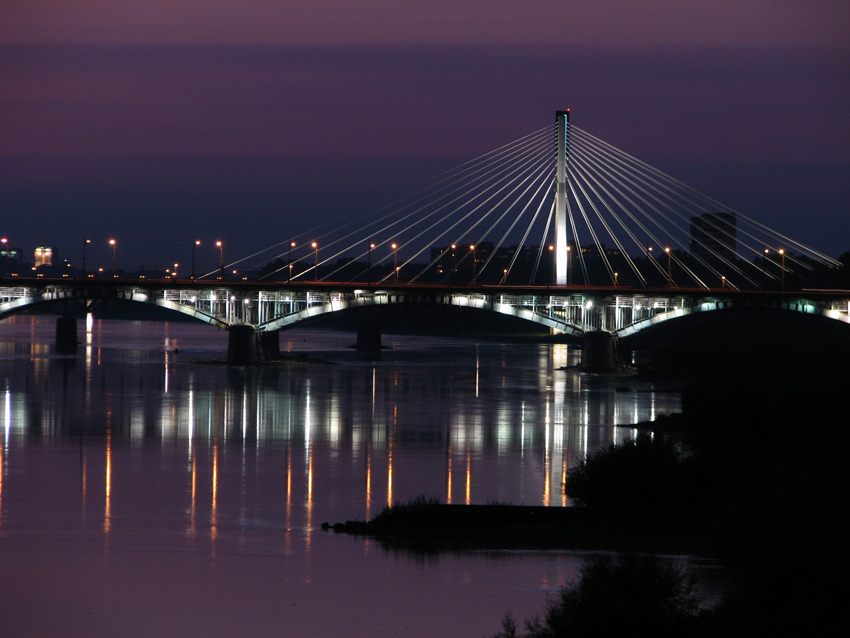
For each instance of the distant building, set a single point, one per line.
(714, 236)
(43, 256)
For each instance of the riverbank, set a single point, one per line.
(427, 524)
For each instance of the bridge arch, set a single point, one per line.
(82, 295)
(474, 302)
(799, 305)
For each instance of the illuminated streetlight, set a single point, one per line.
(474, 271)
(289, 259)
(394, 246)
(569, 265)
(220, 247)
(782, 254)
(86, 241)
(550, 263)
(114, 245)
(315, 246)
(669, 271)
(616, 279)
(369, 265)
(195, 242)
(723, 281)
(175, 270)
(5, 242)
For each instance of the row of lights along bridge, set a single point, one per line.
(173, 273)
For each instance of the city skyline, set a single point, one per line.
(254, 122)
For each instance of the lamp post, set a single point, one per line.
(764, 270)
(569, 265)
(782, 255)
(616, 279)
(452, 263)
(369, 265)
(220, 247)
(5, 242)
(315, 246)
(723, 281)
(195, 242)
(289, 259)
(474, 271)
(86, 241)
(394, 246)
(669, 267)
(114, 245)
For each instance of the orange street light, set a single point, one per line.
(114, 245)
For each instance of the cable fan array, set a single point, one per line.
(628, 222)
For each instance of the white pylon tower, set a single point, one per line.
(562, 204)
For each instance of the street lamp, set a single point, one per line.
(782, 254)
(86, 240)
(474, 271)
(289, 259)
(5, 242)
(315, 246)
(616, 279)
(569, 265)
(723, 281)
(195, 242)
(220, 247)
(394, 246)
(669, 270)
(114, 245)
(369, 265)
(550, 264)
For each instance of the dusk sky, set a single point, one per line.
(154, 121)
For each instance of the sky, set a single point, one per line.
(154, 121)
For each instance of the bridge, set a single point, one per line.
(462, 239)
(254, 312)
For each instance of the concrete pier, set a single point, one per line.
(598, 352)
(369, 336)
(246, 345)
(66, 335)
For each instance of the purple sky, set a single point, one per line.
(154, 121)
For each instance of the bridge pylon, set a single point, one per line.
(562, 203)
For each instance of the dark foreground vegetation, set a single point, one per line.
(761, 448)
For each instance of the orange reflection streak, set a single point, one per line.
(288, 485)
(368, 479)
(390, 474)
(192, 528)
(468, 478)
(563, 476)
(107, 510)
(449, 475)
(308, 539)
(214, 510)
(83, 482)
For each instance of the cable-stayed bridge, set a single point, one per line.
(558, 228)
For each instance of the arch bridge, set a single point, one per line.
(254, 313)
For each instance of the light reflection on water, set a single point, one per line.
(139, 446)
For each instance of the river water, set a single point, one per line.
(143, 492)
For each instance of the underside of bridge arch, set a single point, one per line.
(702, 331)
(432, 319)
(110, 307)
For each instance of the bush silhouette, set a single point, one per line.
(637, 472)
(626, 594)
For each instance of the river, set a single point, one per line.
(144, 492)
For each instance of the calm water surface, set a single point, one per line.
(144, 493)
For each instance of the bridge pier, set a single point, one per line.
(369, 336)
(598, 352)
(66, 335)
(246, 345)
